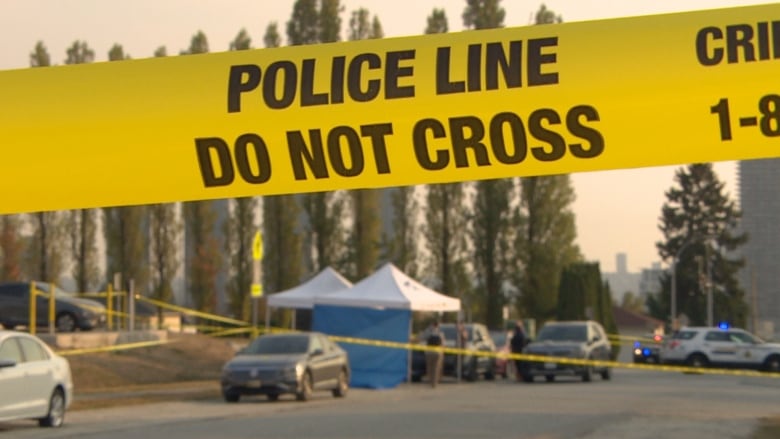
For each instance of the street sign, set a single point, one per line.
(536, 100)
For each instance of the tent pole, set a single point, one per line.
(267, 318)
(409, 352)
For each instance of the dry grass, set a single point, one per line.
(191, 362)
(768, 429)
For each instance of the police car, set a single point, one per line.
(648, 349)
(720, 346)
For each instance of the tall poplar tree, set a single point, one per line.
(400, 247)
(490, 231)
(240, 232)
(546, 233)
(699, 222)
(323, 241)
(202, 231)
(44, 258)
(165, 230)
(365, 233)
(11, 248)
(125, 230)
(83, 222)
(437, 22)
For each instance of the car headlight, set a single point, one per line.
(293, 372)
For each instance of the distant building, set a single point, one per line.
(759, 181)
(650, 280)
(621, 281)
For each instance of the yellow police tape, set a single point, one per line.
(552, 359)
(191, 312)
(459, 106)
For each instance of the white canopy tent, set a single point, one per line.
(326, 282)
(378, 307)
(391, 288)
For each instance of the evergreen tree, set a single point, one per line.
(437, 22)
(83, 222)
(45, 254)
(546, 16)
(160, 52)
(491, 215)
(699, 221)
(11, 248)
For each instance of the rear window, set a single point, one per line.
(684, 335)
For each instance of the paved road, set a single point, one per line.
(634, 405)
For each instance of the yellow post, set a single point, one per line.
(109, 314)
(52, 308)
(31, 323)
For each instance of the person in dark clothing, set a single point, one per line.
(517, 343)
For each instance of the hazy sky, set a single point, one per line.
(617, 211)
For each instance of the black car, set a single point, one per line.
(473, 366)
(296, 363)
(581, 340)
(70, 313)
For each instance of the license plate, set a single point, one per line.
(550, 365)
(254, 384)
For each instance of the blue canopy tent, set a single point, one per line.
(378, 307)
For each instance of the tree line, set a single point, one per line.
(492, 243)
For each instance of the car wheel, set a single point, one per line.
(273, 396)
(472, 371)
(8, 326)
(56, 415)
(490, 373)
(343, 385)
(231, 396)
(66, 322)
(587, 375)
(772, 364)
(305, 388)
(549, 378)
(606, 374)
(528, 378)
(697, 360)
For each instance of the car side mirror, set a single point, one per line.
(316, 353)
(7, 363)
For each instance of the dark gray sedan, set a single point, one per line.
(296, 363)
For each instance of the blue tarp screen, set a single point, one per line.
(372, 367)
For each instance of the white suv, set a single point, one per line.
(720, 347)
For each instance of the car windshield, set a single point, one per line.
(563, 333)
(499, 337)
(58, 292)
(278, 345)
(450, 332)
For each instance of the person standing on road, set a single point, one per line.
(434, 357)
(517, 343)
